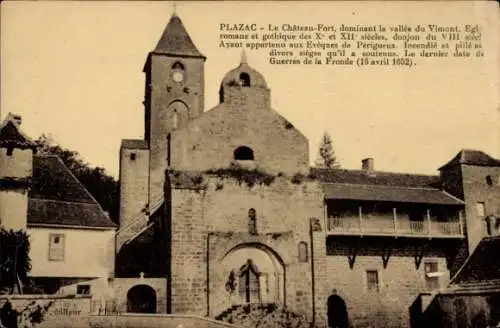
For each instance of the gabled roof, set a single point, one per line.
(389, 194)
(11, 134)
(57, 198)
(134, 144)
(375, 178)
(482, 266)
(471, 157)
(175, 40)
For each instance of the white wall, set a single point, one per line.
(88, 253)
(13, 209)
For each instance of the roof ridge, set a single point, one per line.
(383, 186)
(61, 201)
(376, 171)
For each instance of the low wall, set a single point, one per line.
(478, 309)
(64, 312)
(155, 321)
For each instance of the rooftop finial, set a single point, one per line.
(243, 56)
(174, 8)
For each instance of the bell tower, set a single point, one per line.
(174, 94)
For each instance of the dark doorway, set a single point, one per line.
(141, 299)
(337, 312)
(249, 286)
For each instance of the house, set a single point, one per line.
(71, 237)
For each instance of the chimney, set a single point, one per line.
(367, 164)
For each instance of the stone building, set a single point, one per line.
(219, 208)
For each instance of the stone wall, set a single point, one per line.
(64, 311)
(210, 222)
(209, 141)
(134, 189)
(121, 287)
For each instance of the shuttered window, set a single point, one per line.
(56, 247)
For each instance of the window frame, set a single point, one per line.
(62, 242)
(431, 283)
(378, 281)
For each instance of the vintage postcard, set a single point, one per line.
(249, 164)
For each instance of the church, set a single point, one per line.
(220, 209)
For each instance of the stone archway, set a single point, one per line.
(257, 272)
(141, 299)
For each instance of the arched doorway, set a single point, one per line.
(141, 299)
(337, 312)
(256, 273)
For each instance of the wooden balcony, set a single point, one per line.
(392, 225)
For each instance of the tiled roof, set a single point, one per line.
(483, 265)
(12, 136)
(175, 40)
(134, 144)
(472, 157)
(58, 198)
(375, 178)
(389, 193)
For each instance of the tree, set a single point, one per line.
(15, 262)
(103, 187)
(326, 154)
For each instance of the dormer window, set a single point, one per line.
(244, 79)
(243, 153)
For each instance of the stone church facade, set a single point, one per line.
(220, 208)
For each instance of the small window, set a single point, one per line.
(10, 151)
(480, 209)
(133, 156)
(372, 281)
(303, 255)
(431, 277)
(489, 180)
(178, 66)
(243, 153)
(83, 289)
(252, 221)
(56, 247)
(245, 80)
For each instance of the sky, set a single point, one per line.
(74, 70)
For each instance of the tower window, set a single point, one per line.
(245, 79)
(243, 153)
(480, 209)
(252, 221)
(303, 251)
(178, 66)
(133, 156)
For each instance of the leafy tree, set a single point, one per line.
(104, 188)
(15, 262)
(326, 154)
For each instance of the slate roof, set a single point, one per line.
(175, 40)
(471, 157)
(482, 266)
(375, 178)
(134, 144)
(58, 198)
(389, 193)
(12, 136)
